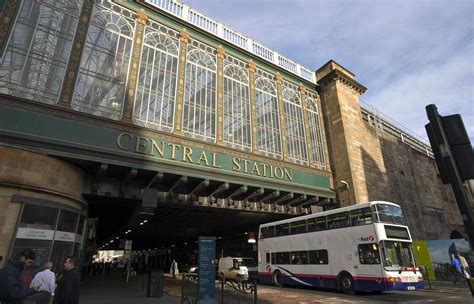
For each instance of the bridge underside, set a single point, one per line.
(178, 208)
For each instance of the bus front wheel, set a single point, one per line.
(277, 279)
(346, 283)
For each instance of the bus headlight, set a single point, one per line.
(393, 280)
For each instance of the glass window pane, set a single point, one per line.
(40, 247)
(100, 86)
(67, 221)
(361, 217)
(156, 88)
(199, 108)
(318, 257)
(237, 131)
(338, 220)
(294, 124)
(369, 254)
(39, 217)
(282, 229)
(268, 119)
(34, 63)
(61, 250)
(317, 224)
(282, 258)
(298, 227)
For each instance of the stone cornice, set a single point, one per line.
(337, 75)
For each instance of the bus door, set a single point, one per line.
(267, 261)
(369, 267)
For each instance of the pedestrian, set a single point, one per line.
(455, 263)
(45, 282)
(11, 289)
(464, 266)
(174, 268)
(67, 291)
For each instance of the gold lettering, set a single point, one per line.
(141, 143)
(281, 173)
(265, 166)
(203, 157)
(187, 152)
(214, 160)
(289, 174)
(160, 150)
(271, 171)
(173, 150)
(246, 162)
(119, 140)
(236, 162)
(255, 168)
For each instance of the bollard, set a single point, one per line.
(470, 282)
(155, 284)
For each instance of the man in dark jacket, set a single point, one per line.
(11, 289)
(67, 291)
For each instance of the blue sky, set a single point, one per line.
(408, 53)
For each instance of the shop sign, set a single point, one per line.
(64, 236)
(34, 234)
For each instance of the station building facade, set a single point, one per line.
(166, 92)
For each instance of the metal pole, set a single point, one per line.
(452, 171)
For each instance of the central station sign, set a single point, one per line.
(166, 150)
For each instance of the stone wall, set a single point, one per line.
(31, 174)
(413, 182)
(378, 166)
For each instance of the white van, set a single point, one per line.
(238, 269)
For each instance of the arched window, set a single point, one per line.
(199, 109)
(268, 121)
(100, 87)
(294, 124)
(237, 131)
(156, 89)
(34, 63)
(315, 131)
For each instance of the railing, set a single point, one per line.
(170, 6)
(202, 21)
(235, 38)
(381, 121)
(189, 288)
(227, 291)
(189, 15)
(233, 292)
(443, 275)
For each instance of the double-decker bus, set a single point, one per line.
(364, 247)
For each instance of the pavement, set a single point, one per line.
(106, 289)
(113, 288)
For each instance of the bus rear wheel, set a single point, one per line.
(346, 283)
(277, 278)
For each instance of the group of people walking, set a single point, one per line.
(45, 287)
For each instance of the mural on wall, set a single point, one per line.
(434, 255)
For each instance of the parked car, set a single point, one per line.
(236, 268)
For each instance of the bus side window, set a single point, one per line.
(361, 217)
(318, 257)
(282, 229)
(369, 254)
(267, 258)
